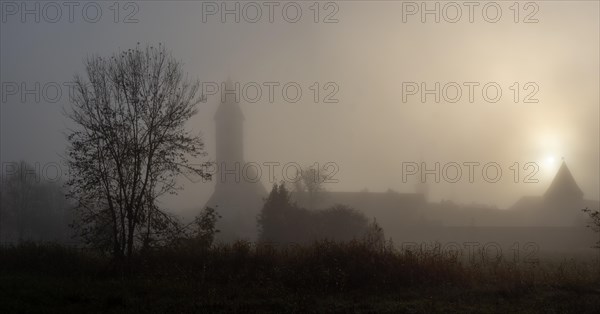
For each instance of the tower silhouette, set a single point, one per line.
(229, 123)
(238, 196)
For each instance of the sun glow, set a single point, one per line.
(550, 161)
(550, 146)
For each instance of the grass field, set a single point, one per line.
(324, 277)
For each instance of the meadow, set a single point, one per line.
(323, 277)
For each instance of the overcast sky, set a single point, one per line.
(366, 56)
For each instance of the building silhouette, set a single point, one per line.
(563, 190)
(553, 219)
(237, 197)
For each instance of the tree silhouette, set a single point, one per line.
(594, 223)
(272, 220)
(310, 185)
(18, 186)
(31, 207)
(281, 220)
(128, 145)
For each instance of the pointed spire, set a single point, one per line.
(564, 186)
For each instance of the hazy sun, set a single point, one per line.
(549, 145)
(549, 161)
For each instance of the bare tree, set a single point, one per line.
(594, 222)
(310, 185)
(129, 145)
(375, 236)
(18, 183)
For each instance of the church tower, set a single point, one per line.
(229, 122)
(237, 197)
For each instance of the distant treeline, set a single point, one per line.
(31, 207)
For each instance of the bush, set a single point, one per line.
(281, 220)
